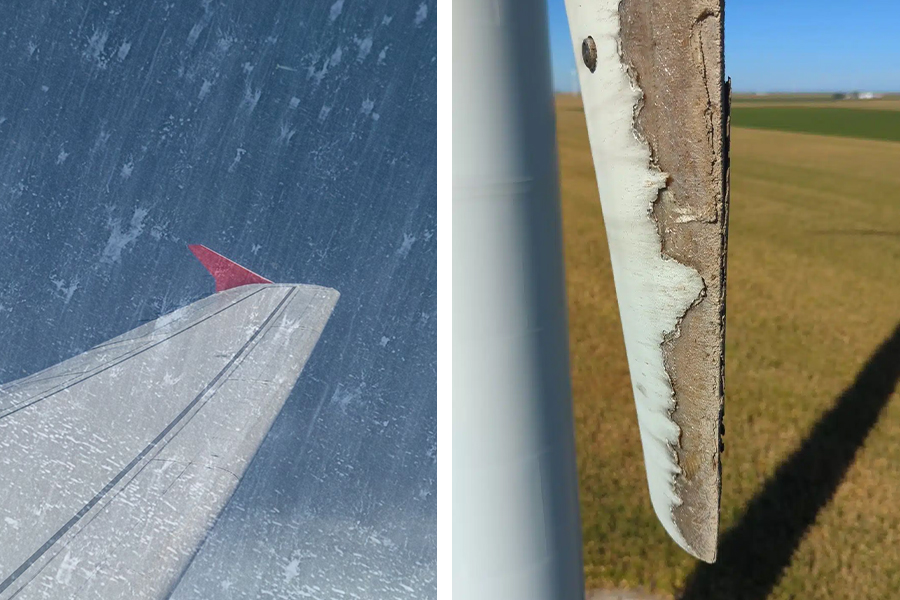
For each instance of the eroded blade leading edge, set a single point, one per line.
(655, 101)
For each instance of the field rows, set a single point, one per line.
(812, 462)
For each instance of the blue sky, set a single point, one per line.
(788, 45)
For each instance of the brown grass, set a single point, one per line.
(813, 288)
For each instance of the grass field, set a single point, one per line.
(869, 124)
(811, 471)
(785, 97)
(887, 103)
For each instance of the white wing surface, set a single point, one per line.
(114, 464)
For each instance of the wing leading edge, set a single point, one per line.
(116, 462)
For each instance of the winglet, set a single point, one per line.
(228, 274)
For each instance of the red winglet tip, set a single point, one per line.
(227, 273)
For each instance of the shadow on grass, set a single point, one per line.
(753, 553)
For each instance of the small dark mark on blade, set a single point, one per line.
(589, 53)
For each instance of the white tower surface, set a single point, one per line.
(516, 526)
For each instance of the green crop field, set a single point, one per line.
(883, 101)
(783, 98)
(810, 471)
(891, 102)
(871, 124)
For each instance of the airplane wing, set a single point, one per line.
(115, 463)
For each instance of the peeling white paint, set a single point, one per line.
(336, 56)
(251, 98)
(199, 26)
(364, 47)
(120, 238)
(204, 89)
(65, 288)
(238, 155)
(96, 46)
(336, 10)
(127, 169)
(421, 14)
(286, 133)
(654, 291)
(124, 49)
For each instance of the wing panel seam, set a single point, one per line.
(36, 556)
(67, 385)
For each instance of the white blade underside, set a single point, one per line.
(116, 462)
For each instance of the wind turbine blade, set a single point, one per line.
(655, 103)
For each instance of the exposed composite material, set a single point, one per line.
(655, 103)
